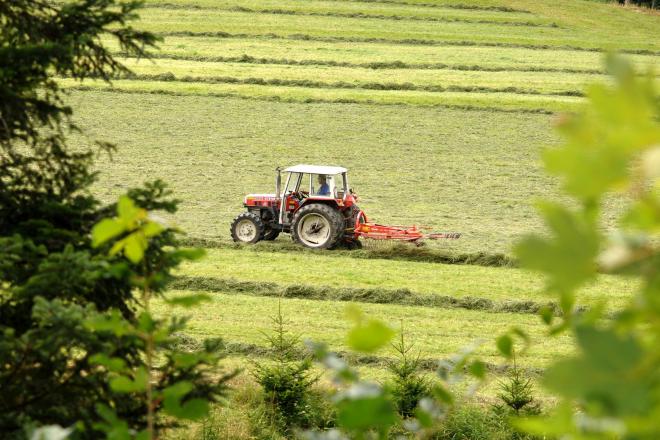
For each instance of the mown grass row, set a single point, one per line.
(216, 22)
(375, 65)
(374, 295)
(390, 17)
(399, 41)
(200, 4)
(537, 83)
(169, 76)
(354, 10)
(506, 102)
(397, 252)
(364, 360)
(447, 4)
(376, 54)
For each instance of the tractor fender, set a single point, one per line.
(320, 200)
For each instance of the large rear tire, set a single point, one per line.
(349, 241)
(247, 228)
(317, 226)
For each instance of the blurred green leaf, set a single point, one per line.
(152, 229)
(113, 427)
(188, 300)
(477, 369)
(190, 254)
(606, 372)
(105, 230)
(369, 336)
(547, 314)
(505, 345)
(567, 257)
(366, 413)
(125, 384)
(129, 213)
(112, 322)
(134, 247)
(113, 364)
(442, 394)
(193, 409)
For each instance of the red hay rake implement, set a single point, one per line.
(411, 234)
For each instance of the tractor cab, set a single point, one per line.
(306, 184)
(311, 202)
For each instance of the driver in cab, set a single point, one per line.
(324, 189)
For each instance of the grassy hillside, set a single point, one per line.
(439, 108)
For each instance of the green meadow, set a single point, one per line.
(441, 111)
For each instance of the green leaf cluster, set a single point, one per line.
(612, 149)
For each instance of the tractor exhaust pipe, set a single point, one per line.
(278, 182)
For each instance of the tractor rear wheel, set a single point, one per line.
(349, 241)
(317, 226)
(247, 228)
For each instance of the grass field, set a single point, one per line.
(439, 108)
(438, 333)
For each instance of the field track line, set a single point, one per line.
(405, 41)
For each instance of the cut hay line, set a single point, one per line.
(460, 6)
(355, 359)
(398, 252)
(361, 15)
(403, 297)
(247, 59)
(403, 41)
(357, 15)
(168, 76)
(308, 100)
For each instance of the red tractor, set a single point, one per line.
(318, 209)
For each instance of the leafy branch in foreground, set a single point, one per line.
(181, 385)
(613, 146)
(365, 409)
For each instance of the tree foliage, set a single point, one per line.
(611, 147)
(78, 345)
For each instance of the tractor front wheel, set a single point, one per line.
(317, 226)
(247, 228)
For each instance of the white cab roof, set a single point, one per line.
(315, 169)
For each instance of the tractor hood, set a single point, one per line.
(260, 199)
